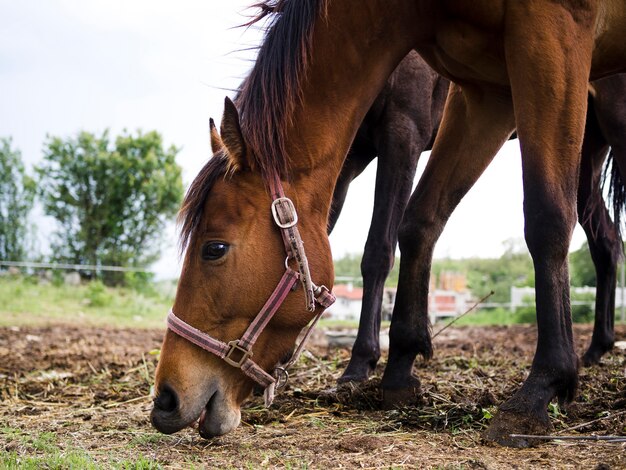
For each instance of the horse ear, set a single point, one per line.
(216, 140)
(232, 137)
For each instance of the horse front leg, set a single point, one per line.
(548, 53)
(402, 140)
(475, 125)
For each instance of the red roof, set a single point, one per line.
(345, 291)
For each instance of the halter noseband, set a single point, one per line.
(238, 353)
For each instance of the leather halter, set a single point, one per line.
(238, 353)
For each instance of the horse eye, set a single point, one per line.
(214, 250)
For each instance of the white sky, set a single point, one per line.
(71, 65)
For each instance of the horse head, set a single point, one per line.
(234, 259)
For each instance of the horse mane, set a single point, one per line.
(192, 208)
(266, 100)
(268, 96)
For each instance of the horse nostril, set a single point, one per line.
(166, 400)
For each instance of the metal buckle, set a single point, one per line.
(292, 209)
(282, 377)
(234, 346)
(319, 290)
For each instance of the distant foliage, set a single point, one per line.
(492, 274)
(349, 266)
(17, 191)
(582, 270)
(513, 268)
(111, 199)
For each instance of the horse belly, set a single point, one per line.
(609, 55)
(464, 52)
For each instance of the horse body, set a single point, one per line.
(321, 66)
(608, 57)
(401, 124)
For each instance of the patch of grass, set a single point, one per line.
(77, 459)
(44, 442)
(147, 439)
(497, 316)
(29, 302)
(10, 433)
(42, 451)
(74, 459)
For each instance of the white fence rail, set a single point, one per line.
(74, 267)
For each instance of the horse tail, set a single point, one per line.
(616, 194)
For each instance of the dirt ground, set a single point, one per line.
(88, 390)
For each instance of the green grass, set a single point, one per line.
(498, 316)
(41, 451)
(25, 301)
(74, 459)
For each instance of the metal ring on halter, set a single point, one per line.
(295, 285)
(282, 376)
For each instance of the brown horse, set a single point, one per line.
(321, 65)
(401, 124)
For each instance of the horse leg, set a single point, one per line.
(602, 236)
(401, 143)
(475, 125)
(550, 98)
(610, 118)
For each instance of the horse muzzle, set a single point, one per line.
(216, 414)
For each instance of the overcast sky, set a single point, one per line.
(71, 65)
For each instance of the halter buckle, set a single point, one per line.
(290, 211)
(234, 346)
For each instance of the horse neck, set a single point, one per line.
(353, 53)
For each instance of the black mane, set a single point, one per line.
(268, 96)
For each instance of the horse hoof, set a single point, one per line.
(592, 356)
(590, 359)
(356, 372)
(353, 377)
(401, 397)
(508, 429)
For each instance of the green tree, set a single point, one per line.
(17, 192)
(349, 266)
(513, 268)
(582, 270)
(111, 200)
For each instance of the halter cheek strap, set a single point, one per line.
(238, 353)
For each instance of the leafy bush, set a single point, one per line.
(142, 282)
(525, 315)
(97, 294)
(582, 313)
